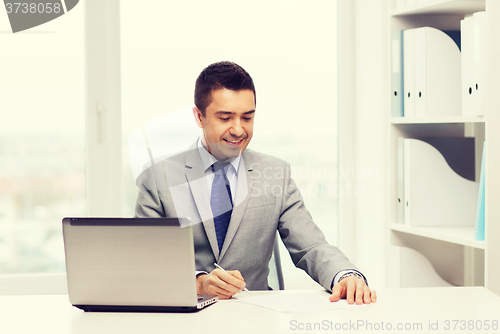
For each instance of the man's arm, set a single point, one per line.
(310, 251)
(148, 204)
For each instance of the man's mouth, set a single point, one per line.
(234, 142)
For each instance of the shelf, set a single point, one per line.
(474, 262)
(462, 7)
(457, 235)
(437, 120)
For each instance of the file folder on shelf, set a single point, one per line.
(434, 193)
(479, 62)
(437, 67)
(400, 181)
(473, 63)
(420, 72)
(480, 217)
(466, 28)
(397, 74)
(409, 72)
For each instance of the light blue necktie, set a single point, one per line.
(221, 201)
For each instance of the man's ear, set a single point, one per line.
(198, 117)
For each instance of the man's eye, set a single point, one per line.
(224, 119)
(247, 118)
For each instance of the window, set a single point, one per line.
(42, 141)
(289, 48)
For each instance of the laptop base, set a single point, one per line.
(139, 309)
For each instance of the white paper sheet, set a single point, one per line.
(294, 301)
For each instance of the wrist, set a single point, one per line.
(350, 274)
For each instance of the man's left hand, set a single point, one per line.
(353, 289)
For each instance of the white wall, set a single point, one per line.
(366, 116)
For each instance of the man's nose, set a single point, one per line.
(236, 129)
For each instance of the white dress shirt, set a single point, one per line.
(208, 160)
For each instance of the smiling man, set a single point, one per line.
(227, 122)
(239, 205)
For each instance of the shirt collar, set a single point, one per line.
(208, 159)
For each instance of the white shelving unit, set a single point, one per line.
(438, 120)
(455, 235)
(477, 261)
(462, 7)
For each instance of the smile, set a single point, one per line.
(233, 142)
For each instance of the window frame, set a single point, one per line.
(102, 135)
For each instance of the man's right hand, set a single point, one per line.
(220, 283)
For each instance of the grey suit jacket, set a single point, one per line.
(267, 200)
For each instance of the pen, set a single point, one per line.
(215, 264)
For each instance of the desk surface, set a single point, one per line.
(454, 308)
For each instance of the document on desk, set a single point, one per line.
(293, 301)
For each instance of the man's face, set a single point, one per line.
(228, 122)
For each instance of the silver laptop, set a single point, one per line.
(131, 265)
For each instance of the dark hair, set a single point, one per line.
(224, 74)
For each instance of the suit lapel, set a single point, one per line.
(195, 176)
(243, 191)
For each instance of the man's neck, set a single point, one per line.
(204, 143)
(207, 147)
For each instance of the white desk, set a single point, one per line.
(54, 314)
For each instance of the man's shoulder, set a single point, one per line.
(178, 159)
(170, 165)
(263, 159)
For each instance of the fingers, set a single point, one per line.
(213, 285)
(218, 291)
(351, 288)
(240, 281)
(361, 289)
(366, 295)
(233, 278)
(236, 273)
(336, 292)
(354, 290)
(221, 283)
(227, 281)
